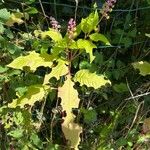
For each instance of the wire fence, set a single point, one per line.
(128, 11)
(85, 7)
(89, 8)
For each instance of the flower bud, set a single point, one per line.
(107, 8)
(54, 23)
(71, 28)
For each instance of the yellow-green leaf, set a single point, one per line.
(33, 60)
(85, 77)
(88, 24)
(99, 37)
(148, 35)
(70, 100)
(58, 71)
(16, 18)
(52, 33)
(143, 66)
(88, 46)
(33, 94)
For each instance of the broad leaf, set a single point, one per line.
(73, 45)
(4, 14)
(90, 115)
(120, 88)
(36, 140)
(62, 43)
(88, 46)
(2, 29)
(58, 71)
(70, 100)
(148, 35)
(85, 77)
(33, 60)
(57, 50)
(31, 10)
(3, 69)
(16, 18)
(148, 1)
(90, 23)
(99, 37)
(52, 33)
(17, 133)
(143, 66)
(78, 31)
(33, 94)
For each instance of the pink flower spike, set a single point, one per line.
(71, 28)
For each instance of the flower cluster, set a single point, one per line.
(107, 8)
(54, 23)
(71, 28)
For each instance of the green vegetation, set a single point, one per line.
(74, 74)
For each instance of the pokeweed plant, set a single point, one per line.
(79, 40)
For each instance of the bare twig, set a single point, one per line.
(135, 117)
(43, 12)
(138, 96)
(76, 8)
(129, 89)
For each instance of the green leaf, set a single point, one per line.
(126, 41)
(58, 71)
(2, 39)
(119, 31)
(56, 50)
(4, 14)
(36, 141)
(31, 10)
(132, 33)
(89, 115)
(62, 43)
(29, 1)
(88, 46)
(148, 1)
(85, 77)
(18, 118)
(148, 35)
(78, 30)
(33, 60)
(13, 48)
(116, 73)
(90, 23)
(99, 58)
(18, 133)
(121, 142)
(34, 93)
(73, 45)
(143, 66)
(120, 88)
(99, 37)
(20, 91)
(9, 33)
(84, 65)
(53, 34)
(1, 28)
(3, 69)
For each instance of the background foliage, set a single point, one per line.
(112, 117)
